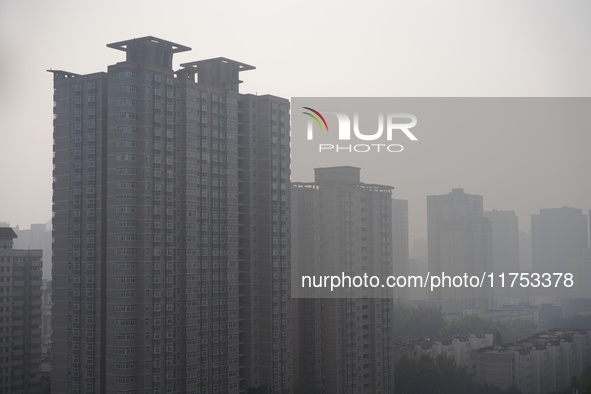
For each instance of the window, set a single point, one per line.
(125, 336)
(126, 171)
(126, 157)
(126, 74)
(126, 115)
(126, 185)
(126, 143)
(127, 88)
(126, 293)
(126, 209)
(126, 237)
(126, 279)
(125, 350)
(127, 129)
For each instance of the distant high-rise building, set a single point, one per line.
(560, 240)
(37, 237)
(20, 316)
(460, 242)
(45, 316)
(400, 246)
(343, 345)
(171, 228)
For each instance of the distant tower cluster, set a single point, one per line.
(560, 243)
(460, 242)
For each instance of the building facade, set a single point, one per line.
(343, 345)
(454, 347)
(37, 237)
(460, 242)
(161, 178)
(20, 316)
(400, 245)
(540, 364)
(46, 317)
(560, 243)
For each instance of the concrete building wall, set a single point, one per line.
(344, 344)
(460, 242)
(167, 276)
(543, 363)
(20, 316)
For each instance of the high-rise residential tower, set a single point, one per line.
(171, 251)
(20, 316)
(400, 246)
(343, 345)
(37, 237)
(559, 238)
(560, 243)
(460, 242)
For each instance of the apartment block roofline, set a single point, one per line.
(124, 45)
(337, 167)
(219, 71)
(304, 185)
(367, 186)
(241, 66)
(7, 233)
(62, 74)
(376, 187)
(149, 51)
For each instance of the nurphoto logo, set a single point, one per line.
(389, 126)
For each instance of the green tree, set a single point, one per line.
(438, 376)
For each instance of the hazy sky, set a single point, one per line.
(321, 48)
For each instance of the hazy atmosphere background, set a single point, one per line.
(302, 49)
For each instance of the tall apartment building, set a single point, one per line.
(45, 316)
(171, 228)
(342, 345)
(560, 242)
(400, 245)
(20, 316)
(37, 237)
(460, 242)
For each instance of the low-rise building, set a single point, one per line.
(542, 363)
(458, 347)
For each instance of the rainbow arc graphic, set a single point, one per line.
(313, 116)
